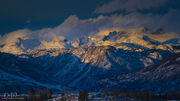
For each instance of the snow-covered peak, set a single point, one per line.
(139, 39)
(128, 39)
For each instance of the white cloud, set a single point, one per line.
(129, 5)
(13, 36)
(73, 27)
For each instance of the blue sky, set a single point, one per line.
(39, 14)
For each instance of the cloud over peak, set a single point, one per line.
(74, 27)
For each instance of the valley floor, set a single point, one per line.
(105, 95)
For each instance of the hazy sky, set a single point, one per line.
(88, 15)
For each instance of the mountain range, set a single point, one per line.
(131, 59)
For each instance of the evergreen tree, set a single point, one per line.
(83, 96)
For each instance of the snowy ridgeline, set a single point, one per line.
(128, 39)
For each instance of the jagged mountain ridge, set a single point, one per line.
(127, 39)
(88, 60)
(78, 67)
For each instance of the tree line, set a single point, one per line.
(144, 95)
